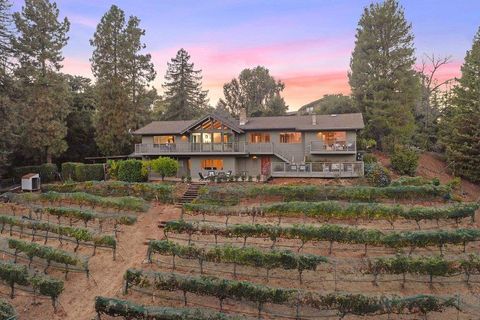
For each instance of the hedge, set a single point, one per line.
(130, 171)
(148, 191)
(327, 210)
(48, 172)
(233, 194)
(414, 181)
(76, 171)
(7, 311)
(344, 303)
(126, 309)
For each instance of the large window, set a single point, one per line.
(332, 137)
(290, 137)
(163, 139)
(259, 137)
(212, 164)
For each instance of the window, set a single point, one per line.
(212, 164)
(290, 137)
(259, 137)
(331, 137)
(163, 139)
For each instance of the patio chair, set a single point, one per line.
(202, 178)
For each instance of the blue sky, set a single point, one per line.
(307, 44)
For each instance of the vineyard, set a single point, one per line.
(408, 251)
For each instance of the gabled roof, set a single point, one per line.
(347, 121)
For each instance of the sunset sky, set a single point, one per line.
(305, 43)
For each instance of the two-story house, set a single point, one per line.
(280, 146)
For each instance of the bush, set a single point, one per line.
(404, 161)
(369, 158)
(130, 171)
(165, 166)
(415, 181)
(377, 175)
(112, 167)
(83, 172)
(48, 171)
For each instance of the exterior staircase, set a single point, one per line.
(191, 193)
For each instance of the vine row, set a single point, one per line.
(331, 233)
(7, 311)
(248, 256)
(355, 304)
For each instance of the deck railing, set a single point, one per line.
(317, 169)
(338, 146)
(171, 148)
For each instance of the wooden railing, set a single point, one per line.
(338, 146)
(172, 148)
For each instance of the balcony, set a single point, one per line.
(338, 147)
(190, 148)
(318, 169)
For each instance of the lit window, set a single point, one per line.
(163, 139)
(212, 164)
(331, 137)
(259, 137)
(290, 137)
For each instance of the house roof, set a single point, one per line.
(347, 121)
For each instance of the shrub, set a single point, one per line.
(165, 166)
(369, 158)
(130, 171)
(112, 167)
(404, 161)
(83, 172)
(189, 179)
(377, 175)
(48, 171)
(415, 181)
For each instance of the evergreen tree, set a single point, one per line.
(331, 104)
(384, 84)
(460, 125)
(44, 93)
(184, 96)
(122, 74)
(256, 91)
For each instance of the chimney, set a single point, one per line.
(243, 116)
(314, 119)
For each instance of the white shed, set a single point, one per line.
(31, 182)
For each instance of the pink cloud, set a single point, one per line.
(80, 67)
(82, 20)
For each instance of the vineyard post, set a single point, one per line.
(234, 270)
(94, 249)
(12, 289)
(114, 251)
(15, 255)
(297, 306)
(46, 237)
(173, 262)
(182, 212)
(66, 270)
(185, 298)
(125, 287)
(335, 275)
(260, 307)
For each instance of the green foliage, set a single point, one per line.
(43, 95)
(257, 92)
(83, 199)
(377, 175)
(404, 161)
(47, 253)
(147, 191)
(7, 311)
(87, 215)
(369, 158)
(340, 210)
(184, 97)
(384, 46)
(18, 274)
(332, 233)
(130, 171)
(122, 308)
(249, 256)
(112, 167)
(165, 166)
(460, 124)
(48, 171)
(331, 104)
(82, 172)
(356, 304)
(415, 181)
(232, 194)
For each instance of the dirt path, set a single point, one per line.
(77, 301)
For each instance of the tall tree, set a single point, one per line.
(122, 74)
(384, 83)
(256, 91)
(330, 104)
(44, 92)
(7, 110)
(460, 125)
(184, 96)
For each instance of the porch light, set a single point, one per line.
(254, 157)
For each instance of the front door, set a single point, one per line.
(266, 164)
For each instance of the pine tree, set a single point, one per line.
(460, 125)
(122, 74)
(44, 92)
(184, 96)
(384, 83)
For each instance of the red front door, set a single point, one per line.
(266, 163)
